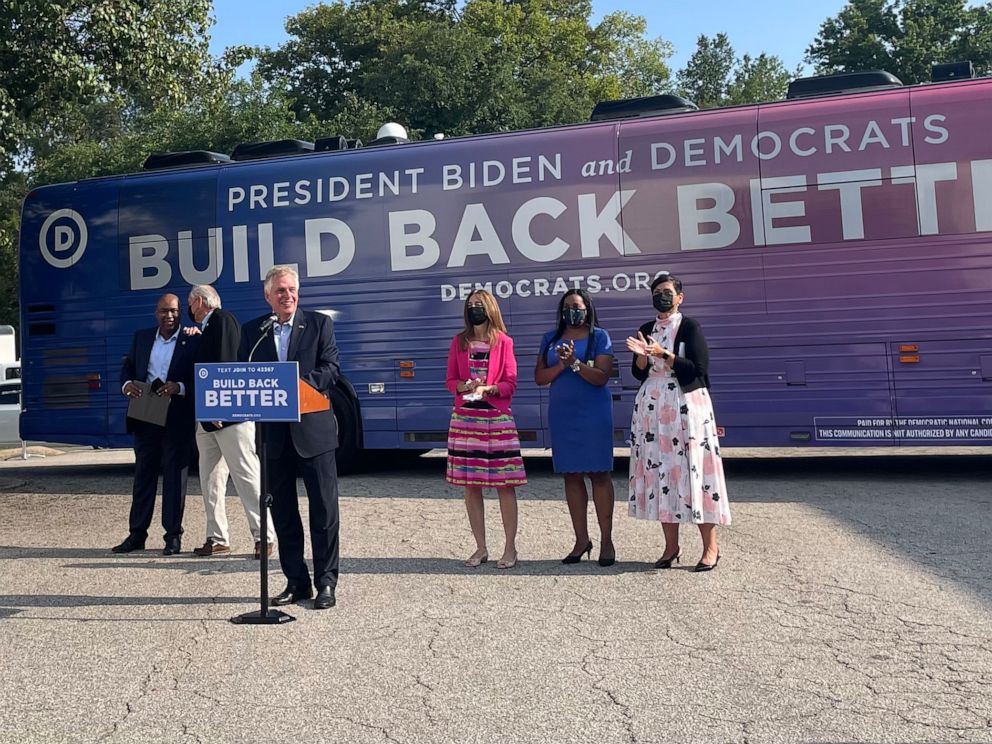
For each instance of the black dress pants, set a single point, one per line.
(159, 451)
(321, 481)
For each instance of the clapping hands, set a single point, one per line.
(645, 346)
(566, 352)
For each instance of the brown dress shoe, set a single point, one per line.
(211, 547)
(258, 550)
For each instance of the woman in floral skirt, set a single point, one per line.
(676, 473)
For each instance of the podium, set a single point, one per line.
(262, 392)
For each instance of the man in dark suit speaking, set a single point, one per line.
(304, 449)
(163, 358)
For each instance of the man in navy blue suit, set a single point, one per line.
(163, 354)
(304, 449)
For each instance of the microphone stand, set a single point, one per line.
(265, 615)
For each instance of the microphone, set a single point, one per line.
(262, 329)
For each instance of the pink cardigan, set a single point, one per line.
(502, 371)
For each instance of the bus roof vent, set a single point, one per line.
(159, 161)
(943, 73)
(273, 149)
(333, 144)
(844, 82)
(644, 106)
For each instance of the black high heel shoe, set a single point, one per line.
(576, 557)
(700, 567)
(607, 561)
(667, 562)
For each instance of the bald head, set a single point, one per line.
(167, 315)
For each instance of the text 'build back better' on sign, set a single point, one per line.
(248, 392)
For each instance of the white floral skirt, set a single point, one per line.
(676, 472)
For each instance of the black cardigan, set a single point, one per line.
(692, 370)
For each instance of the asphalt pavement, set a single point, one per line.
(851, 604)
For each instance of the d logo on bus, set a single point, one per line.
(68, 244)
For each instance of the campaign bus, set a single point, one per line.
(836, 248)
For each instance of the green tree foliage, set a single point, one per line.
(123, 137)
(13, 186)
(489, 66)
(56, 54)
(761, 78)
(714, 76)
(904, 37)
(704, 79)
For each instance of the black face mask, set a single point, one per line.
(663, 301)
(477, 315)
(574, 316)
(189, 313)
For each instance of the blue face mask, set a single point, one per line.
(574, 316)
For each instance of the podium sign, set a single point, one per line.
(247, 391)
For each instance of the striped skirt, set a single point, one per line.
(484, 449)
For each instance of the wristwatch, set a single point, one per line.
(575, 365)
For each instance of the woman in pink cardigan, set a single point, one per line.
(483, 446)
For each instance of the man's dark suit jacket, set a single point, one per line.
(312, 345)
(218, 343)
(135, 367)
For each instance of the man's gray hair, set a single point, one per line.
(280, 270)
(206, 293)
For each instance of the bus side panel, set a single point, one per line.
(68, 262)
(166, 243)
(394, 268)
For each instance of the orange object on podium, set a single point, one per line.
(311, 399)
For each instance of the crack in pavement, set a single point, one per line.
(380, 729)
(598, 685)
(130, 705)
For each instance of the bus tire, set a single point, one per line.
(348, 454)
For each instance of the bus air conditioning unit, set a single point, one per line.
(844, 82)
(629, 108)
(165, 160)
(271, 149)
(949, 71)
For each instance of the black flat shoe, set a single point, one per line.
(667, 562)
(576, 557)
(130, 544)
(700, 567)
(325, 599)
(291, 594)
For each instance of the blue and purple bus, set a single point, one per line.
(837, 249)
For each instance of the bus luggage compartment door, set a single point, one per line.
(837, 394)
(943, 392)
(423, 404)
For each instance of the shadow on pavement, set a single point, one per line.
(934, 511)
(423, 565)
(21, 601)
(14, 605)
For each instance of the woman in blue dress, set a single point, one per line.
(576, 360)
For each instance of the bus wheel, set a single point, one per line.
(348, 455)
